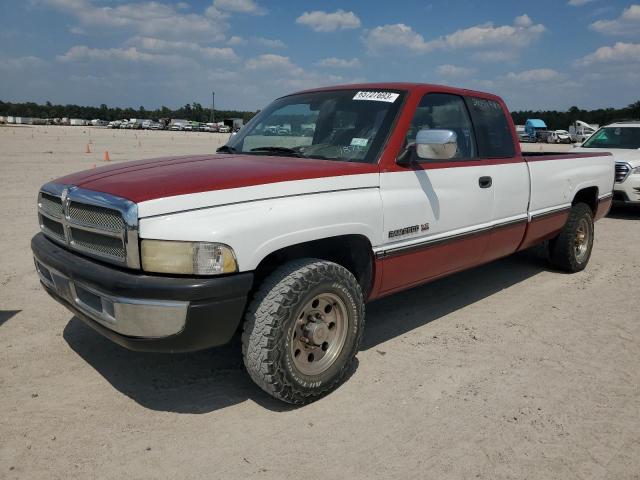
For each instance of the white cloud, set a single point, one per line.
(521, 34)
(400, 36)
(21, 63)
(537, 75)
(148, 18)
(160, 45)
(270, 61)
(270, 43)
(523, 21)
(620, 52)
(240, 6)
(628, 23)
(321, 21)
(80, 53)
(236, 40)
(448, 70)
(333, 62)
(579, 3)
(494, 56)
(283, 75)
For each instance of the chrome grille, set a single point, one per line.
(622, 172)
(51, 205)
(96, 216)
(52, 227)
(96, 224)
(110, 246)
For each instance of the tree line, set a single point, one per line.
(194, 111)
(561, 120)
(555, 120)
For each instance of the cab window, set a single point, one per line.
(442, 111)
(493, 131)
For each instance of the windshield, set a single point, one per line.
(346, 125)
(615, 137)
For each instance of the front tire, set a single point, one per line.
(571, 249)
(303, 329)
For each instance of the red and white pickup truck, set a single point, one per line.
(370, 189)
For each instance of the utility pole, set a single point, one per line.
(213, 106)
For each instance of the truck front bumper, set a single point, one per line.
(627, 192)
(143, 312)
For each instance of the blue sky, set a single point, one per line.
(548, 54)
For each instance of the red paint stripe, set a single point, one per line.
(505, 240)
(544, 228)
(419, 266)
(422, 265)
(604, 205)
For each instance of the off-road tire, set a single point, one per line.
(270, 319)
(562, 249)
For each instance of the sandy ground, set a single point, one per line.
(507, 371)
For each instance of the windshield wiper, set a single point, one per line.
(226, 149)
(281, 150)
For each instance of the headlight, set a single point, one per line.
(187, 258)
(635, 171)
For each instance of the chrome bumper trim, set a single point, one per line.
(143, 318)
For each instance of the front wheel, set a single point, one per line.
(571, 249)
(303, 329)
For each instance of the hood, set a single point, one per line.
(146, 180)
(627, 155)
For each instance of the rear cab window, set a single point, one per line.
(493, 131)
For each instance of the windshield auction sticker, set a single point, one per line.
(377, 96)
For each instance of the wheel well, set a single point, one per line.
(589, 196)
(353, 252)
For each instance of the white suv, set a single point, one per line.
(622, 139)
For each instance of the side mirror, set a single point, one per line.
(436, 144)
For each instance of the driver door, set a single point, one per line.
(437, 213)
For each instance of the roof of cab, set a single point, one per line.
(408, 86)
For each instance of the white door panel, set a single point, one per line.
(447, 199)
(511, 191)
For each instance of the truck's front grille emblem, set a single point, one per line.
(93, 223)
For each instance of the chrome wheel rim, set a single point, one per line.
(319, 334)
(582, 240)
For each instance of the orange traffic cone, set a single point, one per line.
(88, 149)
(106, 156)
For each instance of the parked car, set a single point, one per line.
(284, 239)
(559, 136)
(224, 129)
(622, 139)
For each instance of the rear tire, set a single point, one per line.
(571, 249)
(303, 329)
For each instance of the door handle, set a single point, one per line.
(485, 182)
